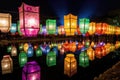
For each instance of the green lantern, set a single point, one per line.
(51, 26)
(83, 59)
(18, 26)
(22, 58)
(84, 25)
(40, 31)
(38, 52)
(51, 59)
(21, 47)
(87, 43)
(9, 48)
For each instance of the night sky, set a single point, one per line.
(58, 8)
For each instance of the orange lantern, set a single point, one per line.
(98, 52)
(98, 28)
(104, 28)
(72, 47)
(103, 51)
(61, 30)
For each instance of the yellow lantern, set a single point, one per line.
(70, 24)
(70, 65)
(92, 28)
(117, 30)
(26, 45)
(91, 53)
(6, 64)
(14, 51)
(5, 22)
(59, 45)
(92, 44)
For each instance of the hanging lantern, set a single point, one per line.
(91, 54)
(5, 22)
(117, 30)
(22, 58)
(38, 52)
(87, 43)
(61, 30)
(70, 24)
(112, 48)
(29, 20)
(92, 44)
(30, 52)
(84, 25)
(80, 46)
(31, 71)
(26, 45)
(103, 51)
(13, 28)
(83, 59)
(104, 28)
(14, 51)
(6, 64)
(107, 46)
(21, 47)
(98, 52)
(92, 28)
(9, 49)
(66, 46)
(70, 65)
(51, 59)
(35, 47)
(98, 28)
(59, 45)
(51, 26)
(55, 49)
(72, 47)
(62, 51)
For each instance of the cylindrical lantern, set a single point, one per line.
(92, 28)
(6, 64)
(70, 65)
(70, 24)
(5, 22)
(22, 58)
(31, 71)
(29, 20)
(51, 59)
(38, 52)
(30, 52)
(83, 59)
(90, 53)
(14, 51)
(13, 28)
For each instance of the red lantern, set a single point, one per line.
(66, 46)
(80, 46)
(98, 52)
(103, 50)
(98, 28)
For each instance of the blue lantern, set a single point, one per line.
(30, 52)
(13, 28)
(55, 49)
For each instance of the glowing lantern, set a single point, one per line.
(84, 25)
(22, 58)
(14, 51)
(70, 24)
(26, 45)
(66, 46)
(31, 71)
(9, 49)
(59, 45)
(90, 53)
(92, 28)
(72, 47)
(21, 47)
(51, 26)
(83, 59)
(98, 52)
(98, 28)
(30, 52)
(70, 65)
(55, 49)
(44, 30)
(13, 28)
(103, 51)
(117, 30)
(92, 44)
(38, 52)
(61, 30)
(5, 22)
(87, 43)
(112, 48)
(104, 28)
(29, 20)
(80, 46)
(62, 51)
(6, 64)
(35, 47)
(51, 59)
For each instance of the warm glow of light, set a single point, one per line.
(31, 21)
(3, 22)
(68, 65)
(33, 78)
(6, 65)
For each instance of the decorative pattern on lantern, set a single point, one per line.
(70, 65)
(6, 64)
(51, 59)
(70, 24)
(22, 58)
(38, 52)
(83, 59)
(51, 26)
(29, 20)
(61, 30)
(84, 25)
(31, 71)
(91, 54)
(92, 28)
(30, 52)
(5, 22)
(14, 51)
(13, 28)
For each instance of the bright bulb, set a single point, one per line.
(51, 59)
(5, 65)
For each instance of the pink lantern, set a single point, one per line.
(29, 20)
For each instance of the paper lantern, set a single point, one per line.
(98, 52)
(92, 44)
(6, 64)
(117, 30)
(55, 49)
(59, 45)
(44, 30)
(80, 46)
(72, 47)
(62, 51)
(103, 51)
(31, 71)
(21, 47)
(61, 30)
(9, 49)
(104, 28)
(22, 58)
(38, 52)
(51, 59)
(5, 22)
(51, 26)
(87, 43)
(84, 25)
(29, 20)
(91, 54)
(92, 28)
(14, 51)
(26, 45)
(98, 28)
(70, 24)
(13, 28)
(30, 52)
(83, 59)
(66, 46)
(70, 65)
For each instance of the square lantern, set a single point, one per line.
(70, 65)
(70, 24)
(13, 28)
(7, 64)
(5, 22)
(29, 20)
(83, 59)
(31, 71)
(51, 26)
(98, 52)
(98, 28)
(22, 59)
(51, 58)
(14, 51)
(84, 25)
(92, 28)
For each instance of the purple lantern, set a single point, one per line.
(31, 71)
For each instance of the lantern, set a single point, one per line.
(31, 71)
(29, 20)
(72, 47)
(9, 49)
(55, 49)
(98, 52)
(62, 51)
(117, 30)
(92, 44)
(6, 64)
(84, 25)
(87, 43)
(22, 58)
(51, 59)
(90, 53)
(59, 45)
(70, 65)
(5, 22)
(44, 30)
(21, 47)
(104, 28)
(70, 24)
(98, 28)
(30, 52)
(83, 59)
(92, 28)
(14, 51)
(13, 28)
(103, 51)
(80, 46)
(26, 45)
(61, 30)
(51, 26)
(66, 46)
(38, 52)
